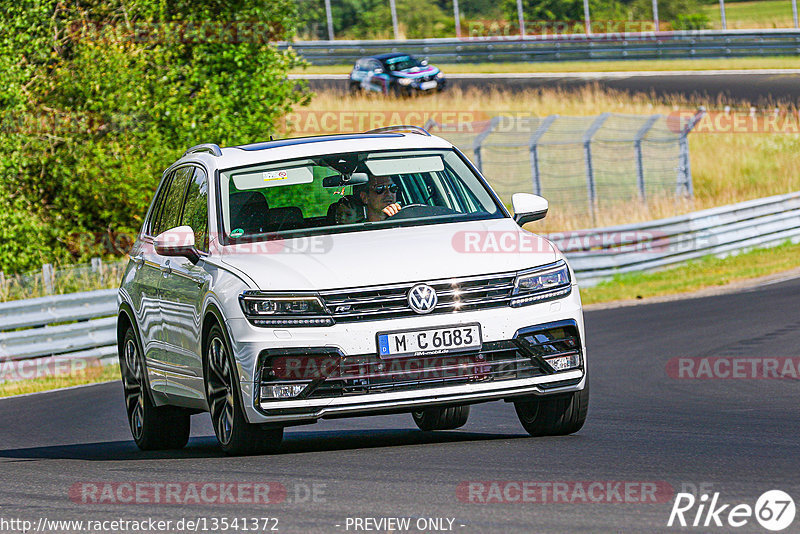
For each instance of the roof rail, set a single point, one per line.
(210, 148)
(401, 128)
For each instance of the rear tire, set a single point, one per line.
(152, 427)
(558, 415)
(235, 434)
(445, 418)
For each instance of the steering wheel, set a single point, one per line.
(403, 213)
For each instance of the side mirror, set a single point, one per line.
(528, 207)
(424, 62)
(378, 71)
(178, 242)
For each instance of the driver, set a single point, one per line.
(380, 198)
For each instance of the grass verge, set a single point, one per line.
(90, 376)
(747, 63)
(701, 274)
(752, 15)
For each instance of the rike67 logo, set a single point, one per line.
(774, 510)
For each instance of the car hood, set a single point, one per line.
(391, 255)
(416, 72)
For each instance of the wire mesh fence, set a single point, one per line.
(593, 162)
(50, 280)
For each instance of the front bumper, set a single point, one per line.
(499, 326)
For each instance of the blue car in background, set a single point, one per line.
(395, 73)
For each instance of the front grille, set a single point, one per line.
(458, 294)
(501, 360)
(329, 373)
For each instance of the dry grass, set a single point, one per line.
(91, 375)
(726, 168)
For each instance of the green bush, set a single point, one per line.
(102, 96)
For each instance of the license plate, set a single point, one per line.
(422, 342)
(428, 85)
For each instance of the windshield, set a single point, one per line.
(312, 196)
(401, 63)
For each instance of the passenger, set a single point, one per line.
(380, 198)
(347, 210)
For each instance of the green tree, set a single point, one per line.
(101, 96)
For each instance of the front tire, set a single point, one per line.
(235, 434)
(153, 428)
(445, 418)
(558, 415)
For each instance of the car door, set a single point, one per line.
(143, 289)
(151, 269)
(182, 289)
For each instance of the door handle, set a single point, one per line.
(138, 260)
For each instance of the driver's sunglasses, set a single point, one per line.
(381, 188)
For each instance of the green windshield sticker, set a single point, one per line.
(237, 232)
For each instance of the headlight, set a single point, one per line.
(404, 81)
(440, 75)
(284, 310)
(540, 284)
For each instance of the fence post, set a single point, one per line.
(533, 145)
(521, 18)
(47, 279)
(722, 14)
(794, 13)
(393, 9)
(684, 167)
(329, 19)
(637, 144)
(457, 17)
(476, 145)
(97, 266)
(655, 14)
(587, 21)
(2, 281)
(587, 155)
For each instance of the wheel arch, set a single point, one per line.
(125, 320)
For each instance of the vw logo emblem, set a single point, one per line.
(422, 298)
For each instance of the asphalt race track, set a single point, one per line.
(759, 88)
(738, 437)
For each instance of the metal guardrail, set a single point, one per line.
(64, 327)
(600, 253)
(561, 47)
(31, 329)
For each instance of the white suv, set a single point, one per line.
(278, 283)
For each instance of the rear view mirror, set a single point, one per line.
(340, 180)
(528, 207)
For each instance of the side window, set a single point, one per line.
(375, 64)
(173, 201)
(153, 224)
(195, 213)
